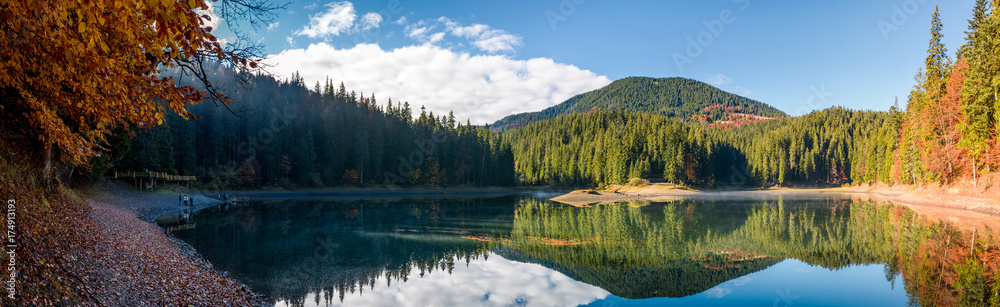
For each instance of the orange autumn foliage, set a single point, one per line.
(946, 158)
(73, 70)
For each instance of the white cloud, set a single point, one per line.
(497, 282)
(339, 18)
(717, 292)
(741, 281)
(401, 21)
(726, 288)
(214, 20)
(718, 80)
(483, 88)
(482, 36)
(436, 37)
(487, 39)
(291, 42)
(742, 91)
(494, 43)
(311, 6)
(369, 21)
(273, 25)
(725, 83)
(336, 20)
(419, 31)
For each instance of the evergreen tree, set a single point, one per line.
(979, 128)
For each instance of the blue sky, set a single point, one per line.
(488, 59)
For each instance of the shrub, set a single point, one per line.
(636, 182)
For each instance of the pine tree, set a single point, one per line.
(979, 14)
(980, 91)
(938, 64)
(922, 129)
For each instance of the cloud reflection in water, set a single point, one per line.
(496, 282)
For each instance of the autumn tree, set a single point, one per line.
(946, 158)
(248, 172)
(981, 88)
(70, 71)
(922, 132)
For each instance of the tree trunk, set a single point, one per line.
(69, 177)
(975, 181)
(47, 165)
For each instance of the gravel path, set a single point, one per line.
(128, 261)
(147, 205)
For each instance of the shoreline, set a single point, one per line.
(136, 248)
(124, 230)
(127, 249)
(364, 193)
(941, 198)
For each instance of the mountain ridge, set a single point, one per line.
(674, 97)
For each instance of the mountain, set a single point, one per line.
(672, 97)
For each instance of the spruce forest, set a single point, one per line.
(285, 133)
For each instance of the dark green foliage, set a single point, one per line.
(832, 146)
(686, 247)
(119, 142)
(289, 136)
(360, 241)
(670, 97)
(151, 149)
(610, 147)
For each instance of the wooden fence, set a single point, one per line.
(154, 175)
(148, 180)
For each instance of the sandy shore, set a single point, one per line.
(915, 197)
(957, 206)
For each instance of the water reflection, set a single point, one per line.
(515, 250)
(684, 248)
(496, 282)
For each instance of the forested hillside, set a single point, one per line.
(947, 133)
(832, 146)
(675, 130)
(671, 97)
(282, 134)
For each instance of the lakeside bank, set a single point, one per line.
(111, 253)
(926, 197)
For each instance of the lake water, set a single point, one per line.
(518, 250)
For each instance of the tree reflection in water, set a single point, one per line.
(289, 249)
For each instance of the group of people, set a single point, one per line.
(188, 201)
(185, 200)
